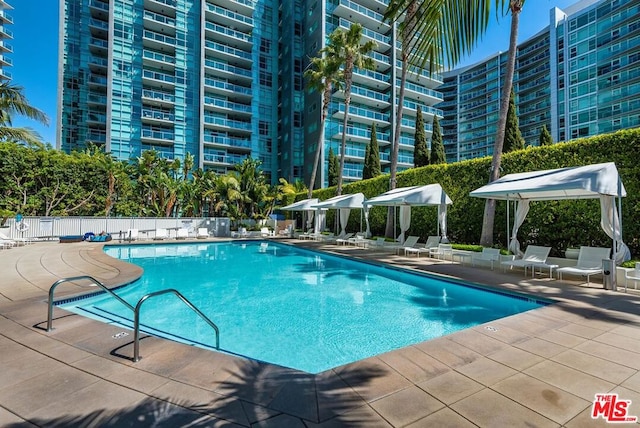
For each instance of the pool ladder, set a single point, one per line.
(136, 309)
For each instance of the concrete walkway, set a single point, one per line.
(541, 368)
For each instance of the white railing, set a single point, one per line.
(53, 227)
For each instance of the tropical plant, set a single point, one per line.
(322, 75)
(346, 48)
(420, 150)
(512, 136)
(372, 156)
(545, 137)
(12, 102)
(515, 7)
(437, 146)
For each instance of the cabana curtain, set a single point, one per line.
(405, 221)
(521, 213)
(610, 223)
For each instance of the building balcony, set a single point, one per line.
(155, 136)
(421, 93)
(232, 91)
(383, 42)
(356, 13)
(372, 79)
(98, 46)
(228, 54)
(226, 125)
(158, 60)
(150, 115)
(227, 142)
(361, 135)
(159, 23)
(244, 7)
(157, 41)
(158, 98)
(366, 97)
(361, 115)
(230, 72)
(96, 99)
(224, 106)
(227, 17)
(229, 36)
(5, 17)
(222, 159)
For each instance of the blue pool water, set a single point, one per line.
(293, 307)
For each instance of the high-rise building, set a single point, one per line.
(5, 34)
(579, 76)
(224, 80)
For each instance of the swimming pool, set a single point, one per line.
(290, 306)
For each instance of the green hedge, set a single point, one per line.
(558, 224)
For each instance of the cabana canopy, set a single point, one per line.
(303, 205)
(406, 197)
(583, 182)
(344, 203)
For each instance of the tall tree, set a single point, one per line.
(420, 150)
(334, 168)
(12, 102)
(512, 136)
(372, 156)
(515, 7)
(347, 49)
(545, 137)
(437, 146)
(433, 32)
(322, 75)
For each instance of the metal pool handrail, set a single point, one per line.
(136, 318)
(136, 310)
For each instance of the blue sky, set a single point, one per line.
(35, 50)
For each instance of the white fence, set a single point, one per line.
(53, 227)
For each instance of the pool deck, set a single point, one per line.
(541, 368)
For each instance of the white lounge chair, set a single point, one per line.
(490, 255)
(343, 240)
(633, 275)
(534, 255)
(161, 233)
(265, 232)
(16, 241)
(6, 244)
(432, 242)
(203, 233)
(411, 241)
(132, 235)
(442, 251)
(589, 262)
(182, 233)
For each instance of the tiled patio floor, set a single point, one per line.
(536, 369)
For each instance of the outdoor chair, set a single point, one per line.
(160, 234)
(589, 262)
(534, 255)
(182, 233)
(203, 233)
(432, 242)
(411, 241)
(633, 275)
(490, 255)
(442, 251)
(132, 235)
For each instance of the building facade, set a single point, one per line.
(579, 77)
(5, 34)
(224, 80)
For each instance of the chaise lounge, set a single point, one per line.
(589, 262)
(534, 255)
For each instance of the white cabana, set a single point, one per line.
(303, 205)
(600, 181)
(343, 203)
(406, 197)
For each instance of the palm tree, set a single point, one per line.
(515, 7)
(322, 75)
(345, 48)
(432, 31)
(13, 101)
